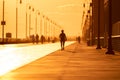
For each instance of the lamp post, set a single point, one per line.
(54, 29)
(17, 18)
(41, 24)
(31, 9)
(110, 51)
(89, 28)
(39, 19)
(50, 29)
(27, 6)
(3, 23)
(29, 20)
(37, 13)
(91, 23)
(47, 26)
(98, 37)
(44, 18)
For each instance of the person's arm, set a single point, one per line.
(65, 38)
(60, 36)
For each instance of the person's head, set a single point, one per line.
(62, 31)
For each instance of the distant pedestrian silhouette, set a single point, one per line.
(37, 38)
(48, 39)
(33, 38)
(42, 39)
(78, 39)
(63, 38)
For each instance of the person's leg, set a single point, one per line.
(63, 44)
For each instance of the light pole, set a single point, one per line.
(47, 27)
(27, 6)
(50, 29)
(29, 20)
(41, 24)
(37, 13)
(45, 19)
(54, 29)
(30, 8)
(89, 28)
(98, 37)
(39, 19)
(17, 18)
(110, 50)
(3, 23)
(44, 27)
(91, 23)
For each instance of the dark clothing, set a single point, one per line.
(37, 38)
(42, 39)
(63, 38)
(33, 39)
(78, 39)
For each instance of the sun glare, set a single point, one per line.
(15, 57)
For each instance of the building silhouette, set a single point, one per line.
(98, 23)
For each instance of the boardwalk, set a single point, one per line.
(17, 55)
(76, 62)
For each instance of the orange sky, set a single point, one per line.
(67, 13)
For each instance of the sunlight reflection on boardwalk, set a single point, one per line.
(15, 57)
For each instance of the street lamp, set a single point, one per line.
(110, 50)
(29, 20)
(44, 27)
(47, 27)
(3, 23)
(91, 23)
(41, 24)
(54, 29)
(98, 37)
(50, 29)
(17, 18)
(27, 7)
(89, 28)
(31, 9)
(39, 20)
(37, 13)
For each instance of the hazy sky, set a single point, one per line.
(67, 13)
